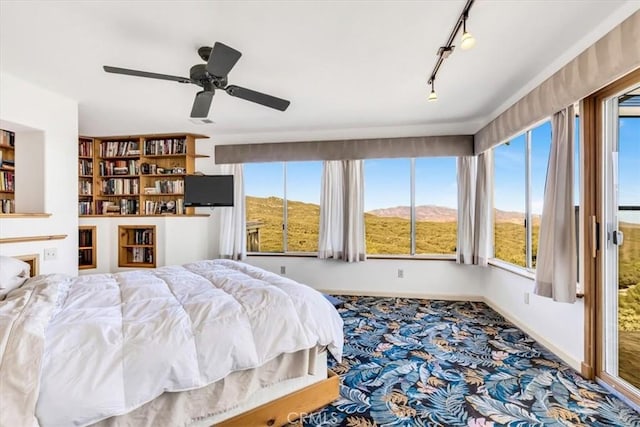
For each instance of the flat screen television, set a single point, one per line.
(208, 190)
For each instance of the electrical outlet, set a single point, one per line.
(283, 269)
(526, 297)
(50, 254)
(400, 273)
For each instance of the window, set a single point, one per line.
(519, 182)
(510, 201)
(303, 206)
(411, 206)
(268, 199)
(540, 149)
(264, 192)
(436, 200)
(387, 205)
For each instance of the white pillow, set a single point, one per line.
(13, 273)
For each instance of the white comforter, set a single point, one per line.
(74, 351)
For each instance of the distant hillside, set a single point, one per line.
(442, 214)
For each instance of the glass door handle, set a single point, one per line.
(617, 238)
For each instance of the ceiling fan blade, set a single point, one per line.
(222, 59)
(137, 73)
(258, 97)
(201, 104)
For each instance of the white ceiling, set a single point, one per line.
(350, 68)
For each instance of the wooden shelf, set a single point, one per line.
(132, 196)
(33, 238)
(162, 175)
(137, 156)
(7, 191)
(87, 254)
(7, 147)
(85, 157)
(162, 194)
(137, 246)
(5, 169)
(119, 176)
(25, 215)
(85, 176)
(143, 215)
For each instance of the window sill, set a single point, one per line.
(376, 256)
(512, 268)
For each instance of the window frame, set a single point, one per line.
(412, 219)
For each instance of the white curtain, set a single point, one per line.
(466, 209)
(556, 261)
(483, 215)
(341, 233)
(232, 224)
(331, 211)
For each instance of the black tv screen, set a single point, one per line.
(208, 190)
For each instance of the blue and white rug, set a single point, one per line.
(410, 362)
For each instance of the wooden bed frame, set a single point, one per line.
(289, 408)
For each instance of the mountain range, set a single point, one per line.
(442, 214)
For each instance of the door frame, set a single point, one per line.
(593, 182)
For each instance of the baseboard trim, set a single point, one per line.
(575, 364)
(418, 295)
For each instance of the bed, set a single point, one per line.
(210, 342)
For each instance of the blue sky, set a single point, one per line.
(387, 180)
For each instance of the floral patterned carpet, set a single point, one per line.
(410, 362)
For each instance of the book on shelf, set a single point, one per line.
(7, 181)
(158, 147)
(85, 208)
(122, 207)
(85, 188)
(142, 255)
(85, 167)
(120, 186)
(143, 236)
(7, 138)
(119, 148)
(7, 206)
(158, 207)
(85, 238)
(119, 167)
(85, 148)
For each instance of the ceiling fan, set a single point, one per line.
(211, 76)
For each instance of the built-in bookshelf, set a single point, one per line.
(7, 171)
(136, 175)
(86, 247)
(137, 246)
(85, 176)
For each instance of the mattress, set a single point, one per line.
(78, 350)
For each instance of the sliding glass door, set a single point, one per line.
(620, 236)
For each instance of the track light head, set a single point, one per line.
(432, 96)
(468, 41)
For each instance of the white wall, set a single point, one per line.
(557, 326)
(178, 240)
(428, 279)
(49, 124)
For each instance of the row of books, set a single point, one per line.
(85, 257)
(142, 236)
(119, 167)
(85, 149)
(166, 187)
(7, 206)
(7, 164)
(119, 148)
(85, 208)
(85, 167)
(120, 186)
(85, 188)
(85, 238)
(141, 255)
(156, 207)
(157, 147)
(7, 181)
(121, 207)
(7, 138)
